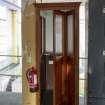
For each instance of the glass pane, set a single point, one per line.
(3, 13)
(10, 31)
(10, 65)
(48, 15)
(10, 48)
(82, 12)
(83, 64)
(83, 45)
(82, 40)
(19, 3)
(82, 92)
(70, 35)
(16, 2)
(10, 74)
(5, 31)
(58, 34)
(18, 33)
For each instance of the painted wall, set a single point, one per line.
(25, 2)
(28, 45)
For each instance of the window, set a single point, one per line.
(83, 56)
(58, 34)
(10, 50)
(16, 2)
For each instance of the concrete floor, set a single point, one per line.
(81, 101)
(10, 86)
(7, 98)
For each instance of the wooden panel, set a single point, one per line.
(58, 65)
(70, 84)
(76, 55)
(65, 69)
(58, 82)
(57, 6)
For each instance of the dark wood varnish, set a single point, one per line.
(57, 6)
(66, 65)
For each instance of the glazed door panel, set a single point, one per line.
(58, 33)
(63, 58)
(70, 84)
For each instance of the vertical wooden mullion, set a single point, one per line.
(44, 35)
(54, 42)
(41, 26)
(38, 47)
(38, 39)
(64, 35)
(43, 38)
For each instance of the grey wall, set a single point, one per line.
(96, 84)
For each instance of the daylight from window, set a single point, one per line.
(11, 55)
(10, 48)
(83, 56)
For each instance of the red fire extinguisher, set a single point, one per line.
(32, 79)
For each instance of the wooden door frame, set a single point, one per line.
(58, 6)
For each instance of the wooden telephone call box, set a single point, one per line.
(57, 52)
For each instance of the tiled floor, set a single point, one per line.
(11, 79)
(8, 98)
(11, 85)
(81, 101)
